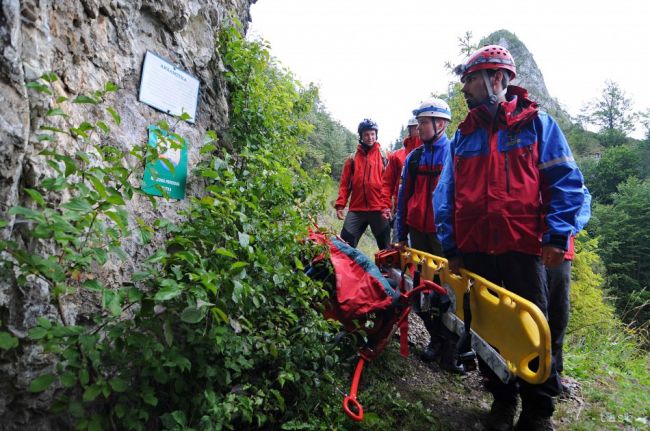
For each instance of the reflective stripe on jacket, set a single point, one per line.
(414, 203)
(365, 184)
(509, 184)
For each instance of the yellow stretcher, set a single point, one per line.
(508, 323)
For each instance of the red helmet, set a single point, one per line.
(488, 57)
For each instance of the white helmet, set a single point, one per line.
(412, 122)
(433, 107)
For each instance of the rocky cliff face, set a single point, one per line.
(88, 43)
(529, 75)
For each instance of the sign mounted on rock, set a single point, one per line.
(168, 174)
(167, 88)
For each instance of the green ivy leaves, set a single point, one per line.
(41, 383)
(7, 341)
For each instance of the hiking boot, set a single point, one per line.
(501, 416)
(431, 352)
(532, 422)
(448, 358)
(564, 387)
(452, 367)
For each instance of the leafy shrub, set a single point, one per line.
(219, 329)
(601, 351)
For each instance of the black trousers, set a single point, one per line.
(356, 223)
(559, 286)
(441, 337)
(425, 241)
(524, 275)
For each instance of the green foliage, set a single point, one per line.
(387, 404)
(7, 341)
(458, 106)
(329, 143)
(616, 165)
(582, 142)
(624, 231)
(600, 351)
(642, 149)
(612, 113)
(399, 142)
(644, 118)
(216, 330)
(588, 307)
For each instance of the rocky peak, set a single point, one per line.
(529, 75)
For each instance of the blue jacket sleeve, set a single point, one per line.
(443, 204)
(402, 199)
(562, 183)
(585, 211)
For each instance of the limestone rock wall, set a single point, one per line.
(88, 43)
(529, 74)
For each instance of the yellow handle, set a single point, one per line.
(514, 326)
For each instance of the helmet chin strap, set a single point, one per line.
(492, 100)
(436, 133)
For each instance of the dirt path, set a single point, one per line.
(459, 402)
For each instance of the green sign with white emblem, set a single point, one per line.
(166, 176)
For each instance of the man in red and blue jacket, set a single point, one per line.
(414, 217)
(506, 206)
(422, 167)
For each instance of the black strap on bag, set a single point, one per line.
(414, 165)
(466, 356)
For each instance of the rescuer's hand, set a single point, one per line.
(552, 256)
(454, 265)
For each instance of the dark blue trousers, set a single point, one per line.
(559, 286)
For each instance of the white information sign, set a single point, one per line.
(168, 88)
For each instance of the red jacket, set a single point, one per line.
(393, 172)
(508, 185)
(365, 184)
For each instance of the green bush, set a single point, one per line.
(601, 351)
(219, 329)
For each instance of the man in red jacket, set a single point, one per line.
(393, 172)
(506, 206)
(361, 183)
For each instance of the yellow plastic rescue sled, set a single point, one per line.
(509, 332)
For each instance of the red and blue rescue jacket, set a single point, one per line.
(510, 183)
(414, 201)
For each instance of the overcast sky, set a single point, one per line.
(380, 58)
